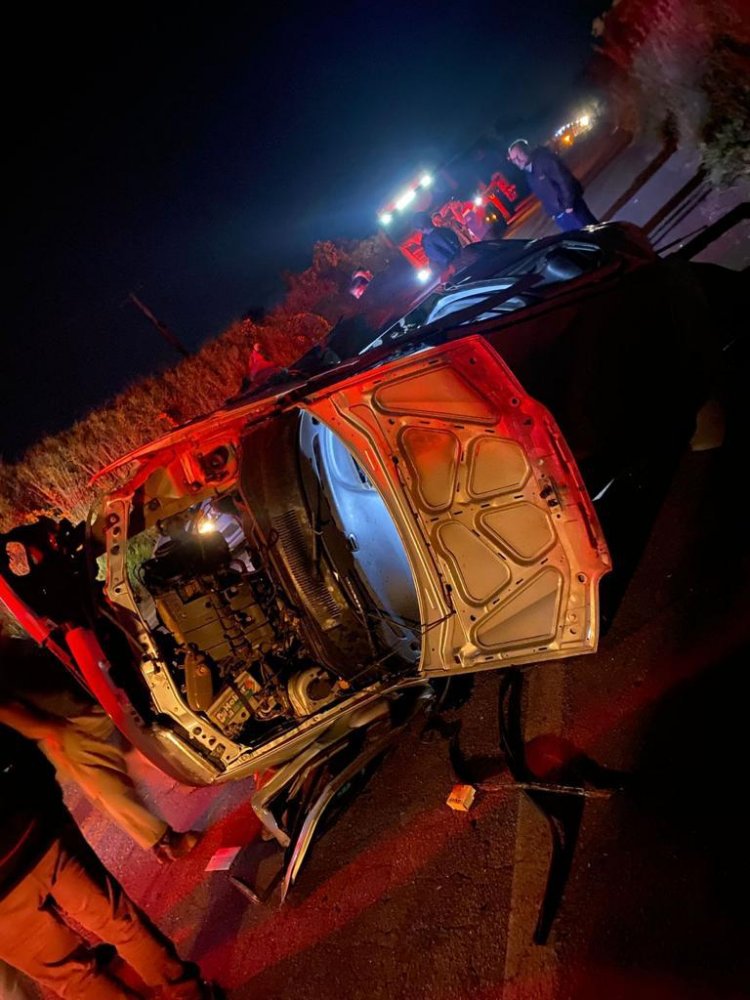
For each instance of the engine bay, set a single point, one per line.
(232, 641)
(275, 596)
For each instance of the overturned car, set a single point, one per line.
(314, 561)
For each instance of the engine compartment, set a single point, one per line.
(274, 597)
(233, 643)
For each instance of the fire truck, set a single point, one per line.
(458, 196)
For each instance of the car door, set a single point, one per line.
(503, 542)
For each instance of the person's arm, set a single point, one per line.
(562, 179)
(29, 722)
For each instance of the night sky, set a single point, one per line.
(190, 153)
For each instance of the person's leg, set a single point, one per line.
(98, 767)
(16, 986)
(83, 888)
(34, 940)
(567, 221)
(583, 215)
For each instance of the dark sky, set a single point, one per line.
(191, 152)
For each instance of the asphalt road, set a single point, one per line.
(404, 897)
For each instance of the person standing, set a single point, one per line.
(41, 701)
(449, 218)
(51, 882)
(440, 244)
(360, 282)
(559, 191)
(259, 368)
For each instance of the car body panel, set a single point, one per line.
(505, 546)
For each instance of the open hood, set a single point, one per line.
(504, 545)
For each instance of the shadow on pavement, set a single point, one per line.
(667, 910)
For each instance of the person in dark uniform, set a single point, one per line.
(440, 244)
(49, 876)
(559, 191)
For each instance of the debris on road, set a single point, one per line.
(222, 859)
(461, 797)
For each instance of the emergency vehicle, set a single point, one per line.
(474, 212)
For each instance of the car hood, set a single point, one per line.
(504, 545)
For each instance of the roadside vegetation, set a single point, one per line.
(52, 477)
(682, 67)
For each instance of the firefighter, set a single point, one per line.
(51, 882)
(441, 245)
